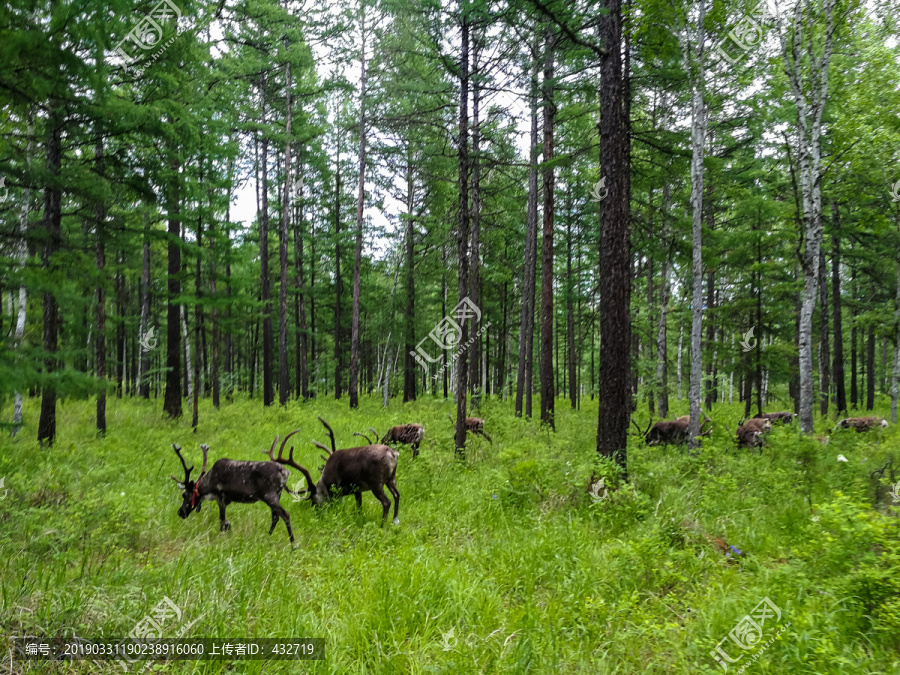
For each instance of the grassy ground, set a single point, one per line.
(506, 549)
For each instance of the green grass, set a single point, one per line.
(506, 547)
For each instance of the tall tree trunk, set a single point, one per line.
(187, 354)
(144, 365)
(120, 328)
(809, 132)
(409, 369)
(302, 338)
(284, 382)
(895, 370)
(172, 398)
(360, 203)
(838, 368)
(526, 324)
(824, 356)
(547, 93)
(570, 307)
(870, 370)
(198, 314)
(53, 233)
(615, 255)
(265, 278)
(462, 235)
(474, 248)
(100, 218)
(338, 284)
(662, 370)
(22, 259)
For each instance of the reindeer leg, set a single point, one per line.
(285, 516)
(274, 520)
(378, 491)
(479, 431)
(392, 486)
(358, 496)
(225, 525)
(415, 449)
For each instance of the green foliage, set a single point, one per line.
(507, 548)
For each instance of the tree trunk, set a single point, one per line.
(615, 255)
(100, 218)
(360, 203)
(53, 234)
(284, 382)
(570, 308)
(474, 354)
(838, 368)
(895, 371)
(198, 316)
(462, 236)
(265, 280)
(338, 285)
(526, 323)
(870, 370)
(547, 93)
(409, 369)
(824, 356)
(172, 399)
(22, 259)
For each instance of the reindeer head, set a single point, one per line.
(191, 499)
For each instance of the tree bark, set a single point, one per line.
(52, 227)
(410, 367)
(267, 338)
(824, 355)
(474, 354)
(284, 382)
(22, 259)
(615, 255)
(462, 235)
(100, 218)
(360, 203)
(870, 370)
(570, 308)
(838, 368)
(172, 398)
(547, 93)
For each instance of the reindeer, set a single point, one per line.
(750, 432)
(674, 431)
(407, 434)
(351, 471)
(861, 424)
(783, 416)
(474, 425)
(242, 482)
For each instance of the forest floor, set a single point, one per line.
(503, 562)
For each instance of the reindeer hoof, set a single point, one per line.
(396, 521)
(225, 526)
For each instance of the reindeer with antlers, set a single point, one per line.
(474, 425)
(242, 482)
(351, 471)
(405, 434)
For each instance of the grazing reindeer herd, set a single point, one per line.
(372, 467)
(350, 471)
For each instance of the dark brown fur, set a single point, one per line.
(861, 424)
(673, 432)
(783, 416)
(405, 434)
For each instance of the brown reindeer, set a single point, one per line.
(404, 434)
(232, 481)
(351, 471)
(675, 432)
(861, 424)
(474, 425)
(784, 417)
(750, 432)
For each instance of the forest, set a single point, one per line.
(604, 238)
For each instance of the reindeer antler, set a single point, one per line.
(375, 433)
(187, 471)
(205, 449)
(330, 433)
(290, 462)
(368, 440)
(321, 447)
(272, 449)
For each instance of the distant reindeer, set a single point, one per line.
(861, 424)
(405, 434)
(750, 432)
(351, 471)
(474, 425)
(242, 482)
(783, 416)
(675, 432)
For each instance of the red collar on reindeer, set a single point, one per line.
(196, 493)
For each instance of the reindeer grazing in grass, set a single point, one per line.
(750, 432)
(783, 416)
(351, 471)
(405, 434)
(232, 481)
(675, 432)
(862, 424)
(474, 425)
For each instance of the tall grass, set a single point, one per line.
(505, 548)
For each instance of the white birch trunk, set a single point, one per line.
(21, 257)
(680, 346)
(187, 353)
